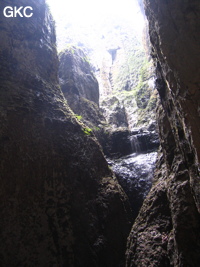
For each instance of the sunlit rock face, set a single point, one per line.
(59, 202)
(167, 230)
(81, 90)
(114, 112)
(131, 98)
(129, 105)
(76, 77)
(112, 36)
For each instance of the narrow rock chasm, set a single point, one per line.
(99, 142)
(114, 95)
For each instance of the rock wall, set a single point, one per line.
(76, 76)
(166, 232)
(60, 204)
(81, 90)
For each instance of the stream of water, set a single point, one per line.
(135, 173)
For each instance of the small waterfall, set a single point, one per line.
(135, 170)
(135, 145)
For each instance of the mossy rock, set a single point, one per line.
(143, 95)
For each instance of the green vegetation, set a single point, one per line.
(143, 92)
(96, 128)
(87, 130)
(143, 95)
(132, 90)
(86, 59)
(152, 102)
(69, 47)
(128, 75)
(79, 117)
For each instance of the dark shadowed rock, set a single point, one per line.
(167, 230)
(59, 202)
(117, 143)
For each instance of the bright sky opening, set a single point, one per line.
(89, 19)
(89, 11)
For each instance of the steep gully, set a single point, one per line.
(166, 232)
(130, 151)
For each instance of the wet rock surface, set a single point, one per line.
(117, 143)
(135, 174)
(132, 157)
(120, 142)
(60, 204)
(144, 140)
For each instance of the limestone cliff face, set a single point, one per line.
(166, 232)
(81, 90)
(59, 202)
(76, 75)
